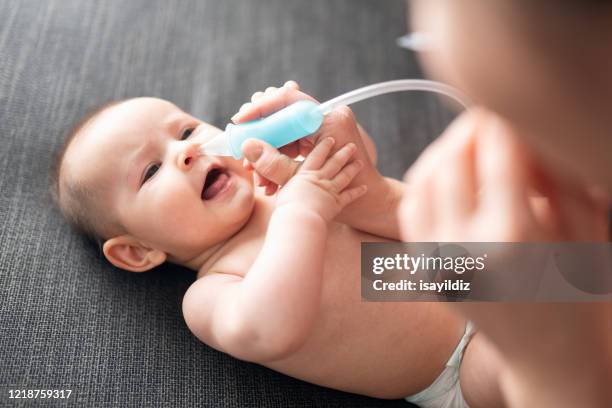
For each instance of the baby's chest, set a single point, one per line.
(342, 253)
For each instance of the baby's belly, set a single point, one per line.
(382, 349)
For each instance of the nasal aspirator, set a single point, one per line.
(304, 118)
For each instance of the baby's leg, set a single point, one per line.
(479, 374)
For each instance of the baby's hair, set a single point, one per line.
(77, 201)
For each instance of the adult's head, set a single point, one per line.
(545, 66)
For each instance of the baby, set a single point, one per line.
(278, 279)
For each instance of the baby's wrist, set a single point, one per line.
(298, 211)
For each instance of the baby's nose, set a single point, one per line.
(187, 157)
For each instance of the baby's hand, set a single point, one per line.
(320, 185)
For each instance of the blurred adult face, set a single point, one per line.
(545, 67)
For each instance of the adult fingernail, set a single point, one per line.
(233, 118)
(253, 153)
(290, 84)
(242, 109)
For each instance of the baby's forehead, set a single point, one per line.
(153, 111)
(118, 130)
(128, 121)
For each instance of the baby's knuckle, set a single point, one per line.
(353, 194)
(340, 180)
(345, 175)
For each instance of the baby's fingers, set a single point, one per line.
(335, 163)
(350, 195)
(316, 158)
(346, 175)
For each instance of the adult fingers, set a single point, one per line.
(269, 162)
(429, 160)
(256, 96)
(453, 175)
(340, 124)
(502, 169)
(292, 150)
(415, 213)
(441, 184)
(269, 103)
(271, 189)
(270, 90)
(292, 84)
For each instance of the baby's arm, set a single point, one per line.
(376, 211)
(265, 315)
(268, 314)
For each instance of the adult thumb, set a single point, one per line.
(268, 162)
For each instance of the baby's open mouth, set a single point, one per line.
(215, 181)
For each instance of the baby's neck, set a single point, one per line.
(260, 214)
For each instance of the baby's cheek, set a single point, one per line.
(167, 204)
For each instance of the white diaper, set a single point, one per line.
(445, 391)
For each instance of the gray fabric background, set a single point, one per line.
(69, 320)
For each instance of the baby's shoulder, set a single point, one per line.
(234, 258)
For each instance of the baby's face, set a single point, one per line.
(143, 155)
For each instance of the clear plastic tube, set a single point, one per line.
(394, 86)
(303, 118)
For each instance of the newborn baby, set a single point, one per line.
(278, 273)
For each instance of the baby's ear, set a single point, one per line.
(128, 253)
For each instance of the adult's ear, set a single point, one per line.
(126, 252)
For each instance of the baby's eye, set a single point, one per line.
(150, 171)
(187, 133)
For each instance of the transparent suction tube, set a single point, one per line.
(394, 86)
(303, 118)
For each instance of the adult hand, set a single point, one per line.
(478, 183)
(274, 168)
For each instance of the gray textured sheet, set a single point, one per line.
(67, 318)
